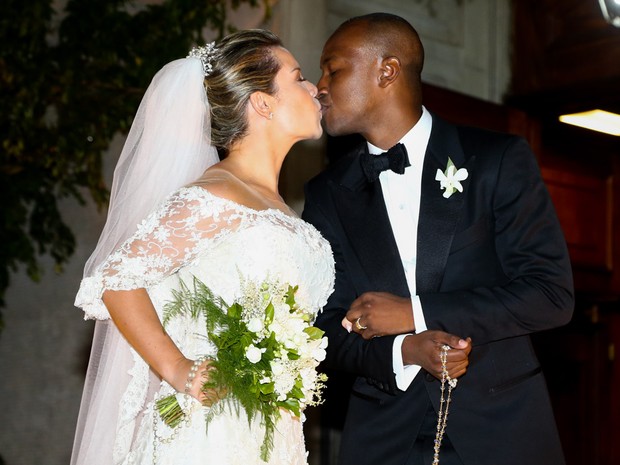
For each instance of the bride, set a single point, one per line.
(177, 212)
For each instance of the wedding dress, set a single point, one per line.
(197, 234)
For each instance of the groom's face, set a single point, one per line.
(347, 84)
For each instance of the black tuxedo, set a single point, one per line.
(491, 264)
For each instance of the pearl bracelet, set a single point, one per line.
(192, 373)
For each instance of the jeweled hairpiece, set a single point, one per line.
(205, 55)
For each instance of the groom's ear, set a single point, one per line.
(261, 103)
(389, 71)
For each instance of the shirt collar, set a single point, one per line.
(415, 140)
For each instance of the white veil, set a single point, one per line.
(168, 146)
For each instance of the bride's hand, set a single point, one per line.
(207, 397)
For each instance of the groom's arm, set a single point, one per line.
(348, 351)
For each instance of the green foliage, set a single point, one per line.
(231, 369)
(257, 342)
(69, 82)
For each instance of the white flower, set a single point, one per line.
(277, 368)
(308, 378)
(314, 349)
(450, 180)
(289, 330)
(284, 378)
(319, 353)
(253, 353)
(255, 325)
(277, 329)
(295, 340)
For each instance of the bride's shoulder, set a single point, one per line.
(219, 182)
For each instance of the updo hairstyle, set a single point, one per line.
(244, 63)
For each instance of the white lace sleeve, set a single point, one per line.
(173, 235)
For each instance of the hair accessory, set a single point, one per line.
(205, 55)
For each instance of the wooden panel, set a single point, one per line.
(580, 376)
(470, 111)
(613, 351)
(565, 57)
(584, 206)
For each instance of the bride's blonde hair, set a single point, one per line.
(243, 63)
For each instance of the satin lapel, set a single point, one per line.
(361, 208)
(438, 216)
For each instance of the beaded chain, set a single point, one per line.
(188, 385)
(192, 373)
(442, 415)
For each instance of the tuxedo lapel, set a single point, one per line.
(438, 215)
(361, 207)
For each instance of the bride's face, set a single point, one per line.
(297, 112)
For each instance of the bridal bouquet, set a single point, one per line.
(267, 352)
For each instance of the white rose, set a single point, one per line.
(254, 354)
(255, 325)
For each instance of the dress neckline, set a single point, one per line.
(244, 207)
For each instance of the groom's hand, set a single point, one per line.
(380, 314)
(424, 349)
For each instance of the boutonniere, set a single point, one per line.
(451, 178)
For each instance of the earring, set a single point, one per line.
(271, 115)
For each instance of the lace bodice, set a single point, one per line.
(197, 234)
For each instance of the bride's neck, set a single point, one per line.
(258, 167)
(261, 176)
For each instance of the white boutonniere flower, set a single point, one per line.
(451, 178)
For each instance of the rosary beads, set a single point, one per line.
(444, 403)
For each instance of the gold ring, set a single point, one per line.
(359, 326)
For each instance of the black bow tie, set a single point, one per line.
(394, 159)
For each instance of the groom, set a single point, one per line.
(474, 251)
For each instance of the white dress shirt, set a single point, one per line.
(402, 200)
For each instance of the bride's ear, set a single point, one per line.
(261, 103)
